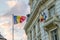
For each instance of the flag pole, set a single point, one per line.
(12, 26)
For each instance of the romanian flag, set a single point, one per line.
(19, 19)
(43, 17)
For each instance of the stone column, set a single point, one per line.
(42, 31)
(44, 35)
(32, 34)
(36, 31)
(29, 36)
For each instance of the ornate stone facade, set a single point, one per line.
(49, 29)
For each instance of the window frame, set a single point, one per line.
(53, 34)
(50, 34)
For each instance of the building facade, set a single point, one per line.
(46, 27)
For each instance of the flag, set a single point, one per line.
(19, 19)
(43, 17)
(22, 18)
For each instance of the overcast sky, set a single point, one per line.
(6, 5)
(18, 7)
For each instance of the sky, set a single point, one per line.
(6, 5)
(16, 7)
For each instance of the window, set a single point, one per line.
(51, 11)
(54, 35)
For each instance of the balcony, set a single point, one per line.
(49, 24)
(48, 21)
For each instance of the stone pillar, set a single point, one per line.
(32, 34)
(29, 36)
(36, 31)
(44, 35)
(42, 31)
